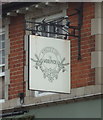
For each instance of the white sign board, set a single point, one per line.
(49, 64)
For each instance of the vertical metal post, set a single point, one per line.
(80, 22)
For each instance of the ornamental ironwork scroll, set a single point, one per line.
(39, 28)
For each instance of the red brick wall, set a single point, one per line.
(16, 57)
(81, 72)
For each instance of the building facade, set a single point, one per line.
(85, 98)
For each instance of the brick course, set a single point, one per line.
(16, 57)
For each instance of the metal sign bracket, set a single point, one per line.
(39, 28)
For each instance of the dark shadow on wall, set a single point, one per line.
(33, 118)
(20, 118)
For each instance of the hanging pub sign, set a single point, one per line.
(49, 64)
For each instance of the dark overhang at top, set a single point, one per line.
(14, 8)
(11, 6)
